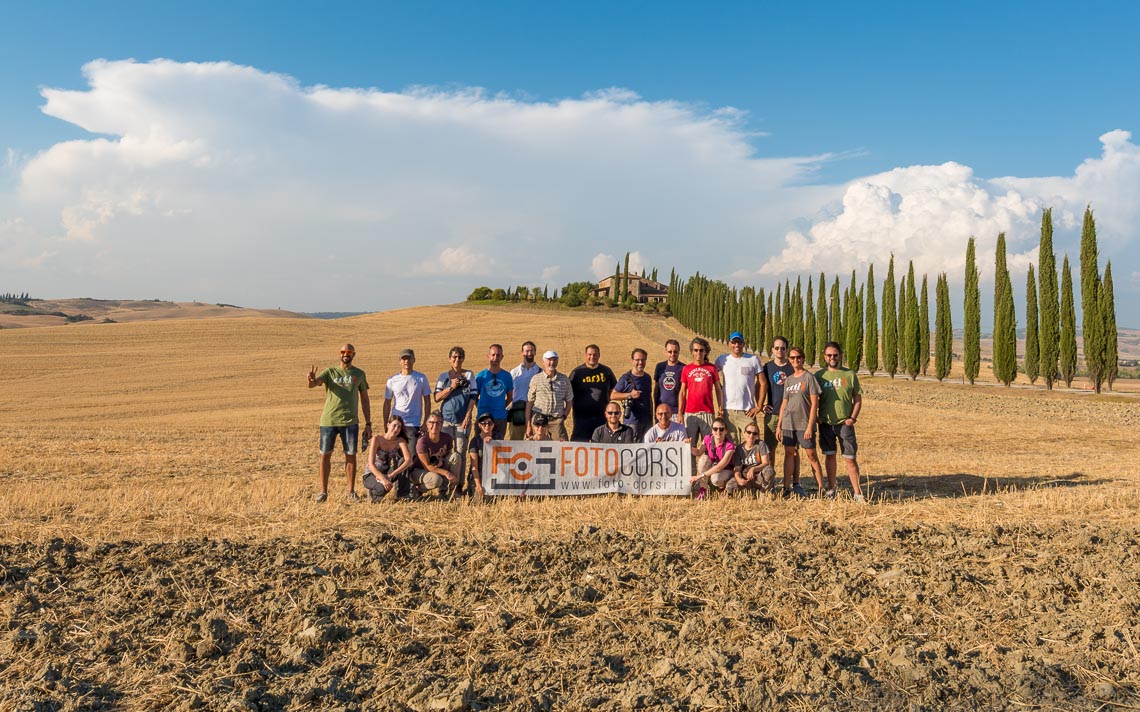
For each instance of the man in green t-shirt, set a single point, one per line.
(839, 408)
(346, 391)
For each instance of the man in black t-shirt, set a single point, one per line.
(667, 377)
(484, 431)
(591, 384)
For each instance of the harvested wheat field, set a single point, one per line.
(160, 548)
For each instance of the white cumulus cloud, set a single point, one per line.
(602, 265)
(220, 181)
(926, 214)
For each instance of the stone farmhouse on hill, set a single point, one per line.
(644, 291)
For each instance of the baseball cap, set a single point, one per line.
(539, 419)
(485, 416)
(407, 353)
(736, 335)
(550, 354)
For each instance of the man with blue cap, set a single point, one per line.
(740, 374)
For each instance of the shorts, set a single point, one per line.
(792, 438)
(348, 435)
(844, 433)
(770, 422)
(737, 422)
(698, 425)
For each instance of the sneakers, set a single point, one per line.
(798, 491)
(829, 494)
(352, 497)
(701, 494)
(321, 497)
(859, 499)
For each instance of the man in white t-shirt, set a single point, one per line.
(521, 375)
(407, 395)
(740, 374)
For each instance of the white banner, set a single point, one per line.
(554, 469)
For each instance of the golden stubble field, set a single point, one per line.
(163, 471)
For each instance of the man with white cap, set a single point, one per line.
(741, 375)
(408, 394)
(549, 394)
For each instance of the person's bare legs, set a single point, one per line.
(791, 465)
(349, 472)
(829, 461)
(854, 475)
(324, 467)
(817, 469)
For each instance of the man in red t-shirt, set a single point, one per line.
(701, 397)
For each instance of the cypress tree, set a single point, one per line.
(924, 329)
(821, 326)
(850, 298)
(903, 305)
(1111, 344)
(890, 330)
(625, 279)
(1092, 320)
(809, 326)
(1005, 319)
(778, 314)
(855, 360)
(769, 325)
(944, 329)
(1048, 302)
(871, 333)
(836, 319)
(615, 288)
(1068, 356)
(798, 317)
(786, 313)
(1032, 352)
(972, 326)
(761, 323)
(912, 342)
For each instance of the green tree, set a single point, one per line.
(1032, 352)
(798, 315)
(912, 341)
(1111, 343)
(770, 325)
(890, 327)
(924, 329)
(1005, 319)
(855, 324)
(1048, 335)
(901, 314)
(625, 279)
(809, 326)
(943, 329)
(778, 313)
(1092, 320)
(871, 328)
(836, 319)
(972, 324)
(821, 327)
(1068, 365)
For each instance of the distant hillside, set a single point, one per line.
(57, 312)
(334, 315)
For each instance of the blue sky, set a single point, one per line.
(843, 90)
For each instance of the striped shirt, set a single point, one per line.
(549, 395)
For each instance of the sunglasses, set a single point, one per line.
(751, 432)
(347, 353)
(613, 412)
(795, 358)
(487, 423)
(718, 430)
(831, 355)
(699, 351)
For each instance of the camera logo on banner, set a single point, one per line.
(522, 471)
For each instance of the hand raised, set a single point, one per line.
(312, 375)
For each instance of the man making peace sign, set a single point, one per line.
(345, 388)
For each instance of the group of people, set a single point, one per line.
(732, 412)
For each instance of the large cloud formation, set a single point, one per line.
(926, 213)
(227, 183)
(223, 182)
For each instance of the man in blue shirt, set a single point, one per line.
(496, 389)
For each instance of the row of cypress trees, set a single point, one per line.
(811, 316)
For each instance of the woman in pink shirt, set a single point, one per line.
(714, 460)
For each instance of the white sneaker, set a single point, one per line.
(859, 499)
